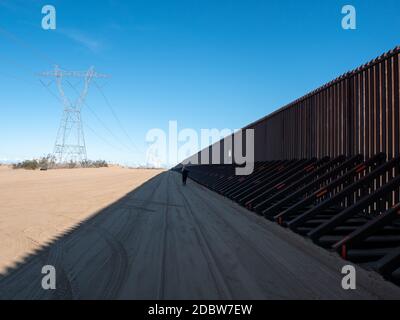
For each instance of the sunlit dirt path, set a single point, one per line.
(166, 241)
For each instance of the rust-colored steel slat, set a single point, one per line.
(357, 113)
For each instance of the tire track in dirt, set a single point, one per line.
(250, 245)
(223, 288)
(53, 255)
(119, 256)
(331, 264)
(161, 289)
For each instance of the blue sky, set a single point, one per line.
(205, 63)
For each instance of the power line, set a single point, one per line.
(102, 138)
(49, 91)
(47, 87)
(46, 58)
(85, 124)
(115, 115)
(91, 110)
(101, 121)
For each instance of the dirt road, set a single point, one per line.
(36, 206)
(165, 241)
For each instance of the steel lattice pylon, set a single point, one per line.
(70, 143)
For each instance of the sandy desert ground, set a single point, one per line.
(161, 241)
(36, 206)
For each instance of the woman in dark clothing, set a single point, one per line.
(185, 174)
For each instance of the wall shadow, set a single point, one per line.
(23, 280)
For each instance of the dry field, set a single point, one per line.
(162, 241)
(36, 206)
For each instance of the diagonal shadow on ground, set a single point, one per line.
(96, 241)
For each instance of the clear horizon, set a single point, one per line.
(201, 63)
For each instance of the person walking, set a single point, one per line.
(185, 174)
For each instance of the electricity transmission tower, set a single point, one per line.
(70, 142)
